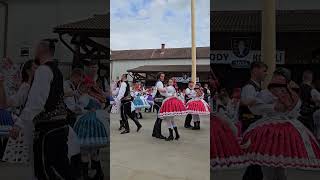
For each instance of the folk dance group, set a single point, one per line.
(61, 125)
(167, 102)
(270, 138)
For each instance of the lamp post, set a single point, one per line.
(268, 41)
(194, 50)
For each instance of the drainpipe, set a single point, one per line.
(5, 34)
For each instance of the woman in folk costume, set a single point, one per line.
(115, 90)
(17, 100)
(149, 98)
(172, 106)
(91, 130)
(139, 101)
(225, 149)
(197, 107)
(10, 83)
(279, 140)
(11, 72)
(233, 110)
(315, 93)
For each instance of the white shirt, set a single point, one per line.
(171, 91)
(122, 91)
(315, 96)
(159, 85)
(191, 93)
(72, 100)
(38, 95)
(249, 92)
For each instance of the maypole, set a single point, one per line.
(268, 43)
(194, 50)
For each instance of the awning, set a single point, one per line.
(169, 68)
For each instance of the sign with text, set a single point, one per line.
(184, 79)
(229, 57)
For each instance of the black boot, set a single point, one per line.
(97, 166)
(198, 125)
(139, 126)
(140, 115)
(125, 131)
(170, 138)
(84, 170)
(121, 125)
(177, 133)
(187, 122)
(195, 126)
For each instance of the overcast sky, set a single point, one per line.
(138, 24)
(256, 4)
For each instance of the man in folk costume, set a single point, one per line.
(248, 94)
(190, 94)
(158, 99)
(46, 112)
(308, 106)
(125, 98)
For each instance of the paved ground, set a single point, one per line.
(22, 172)
(293, 174)
(138, 156)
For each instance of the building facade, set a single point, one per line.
(237, 42)
(122, 61)
(29, 22)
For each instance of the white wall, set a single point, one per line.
(30, 21)
(2, 29)
(118, 67)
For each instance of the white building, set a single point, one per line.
(124, 60)
(31, 21)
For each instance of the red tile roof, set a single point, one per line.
(168, 53)
(250, 21)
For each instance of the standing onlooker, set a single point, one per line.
(307, 106)
(315, 94)
(206, 92)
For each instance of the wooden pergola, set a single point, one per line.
(85, 36)
(149, 72)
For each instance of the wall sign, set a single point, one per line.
(236, 61)
(184, 79)
(24, 52)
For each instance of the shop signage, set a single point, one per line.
(184, 79)
(229, 57)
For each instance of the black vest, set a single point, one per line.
(158, 94)
(308, 106)
(55, 106)
(244, 111)
(127, 96)
(206, 94)
(186, 97)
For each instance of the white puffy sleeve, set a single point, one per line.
(37, 96)
(264, 103)
(20, 97)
